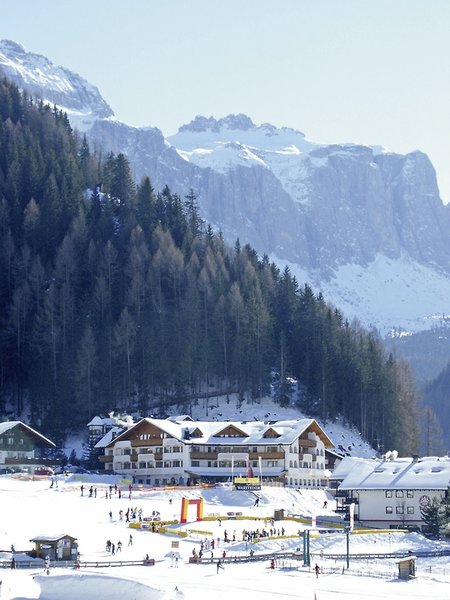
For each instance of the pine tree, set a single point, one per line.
(435, 517)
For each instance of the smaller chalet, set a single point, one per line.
(101, 430)
(390, 492)
(21, 447)
(56, 547)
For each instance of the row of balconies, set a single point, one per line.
(251, 456)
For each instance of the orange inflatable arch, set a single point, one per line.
(184, 508)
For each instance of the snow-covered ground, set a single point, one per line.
(32, 508)
(414, 298)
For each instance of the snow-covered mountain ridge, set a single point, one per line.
(350, 219)
(56, 85)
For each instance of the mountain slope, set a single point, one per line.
(348, 218)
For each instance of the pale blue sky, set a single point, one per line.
(375, 72)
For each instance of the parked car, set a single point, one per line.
(43, 471)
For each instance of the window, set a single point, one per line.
(410, 510)
(388, 494)
(195, 463)
(399, 494)
(389, 510)
(400, 510)
(410, 494)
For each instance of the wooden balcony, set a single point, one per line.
(32, 461)
(106, 459)
(252, 456)
(151, 442)
(305, 443)
(267, 455)
(205, 456)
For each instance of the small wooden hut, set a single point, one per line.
(56, 547)
(407, 567)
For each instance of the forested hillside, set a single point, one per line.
(113, 295)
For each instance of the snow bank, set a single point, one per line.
(74, 586)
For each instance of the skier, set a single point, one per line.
(130, 541)
(219, 565)
(317, 570)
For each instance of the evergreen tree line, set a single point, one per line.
(114, 296)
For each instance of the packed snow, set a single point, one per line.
(33, 508)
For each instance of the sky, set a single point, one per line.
(33, 508)
(365, 71)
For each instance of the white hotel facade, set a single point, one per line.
(179, 451)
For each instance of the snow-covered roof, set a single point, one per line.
(7, 425)
(101, 421)
(346, 465)
(252, 431)
(108, 437)
(427, 473)
(51, 538)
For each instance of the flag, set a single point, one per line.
(352, 515)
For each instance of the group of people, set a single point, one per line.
(110, 547)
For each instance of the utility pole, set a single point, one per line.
(306, 551)
(347, 532)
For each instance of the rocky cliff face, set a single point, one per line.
(351, 219)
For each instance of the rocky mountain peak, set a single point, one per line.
(42, 79)
(202, 124)
(9, 46)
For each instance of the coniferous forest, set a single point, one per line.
(116, 296)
